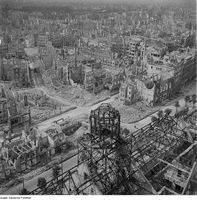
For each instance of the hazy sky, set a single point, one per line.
(183, 3)
(187, 3)
(111, 1)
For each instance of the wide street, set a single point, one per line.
(32, 183)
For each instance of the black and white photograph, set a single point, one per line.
(98, 97)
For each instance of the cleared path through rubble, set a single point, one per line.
(73, 113)
(86, 110)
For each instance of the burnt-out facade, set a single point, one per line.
(15, 114)
(15, 71)
(163, 91)
(188, 69)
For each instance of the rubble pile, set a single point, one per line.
(41, 105)
(134, 112)
(80, 96)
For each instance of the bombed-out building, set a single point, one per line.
(95, 77)
(15, 71)
(165, 76)
(15, 112)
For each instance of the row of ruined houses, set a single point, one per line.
(94, 77)
(31, 148)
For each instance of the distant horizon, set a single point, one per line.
(104, 1)
(189, 4)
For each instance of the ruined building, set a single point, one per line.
(90, 74)
(129, 93)
(163, 77)
(15, 71)
(94, 77)
(3, 107)
(15, 121)
(15, 112)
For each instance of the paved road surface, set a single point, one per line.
(73, 113)
(32, 184)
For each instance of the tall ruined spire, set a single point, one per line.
(75, 54)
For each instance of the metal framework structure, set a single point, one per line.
(108, 163)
